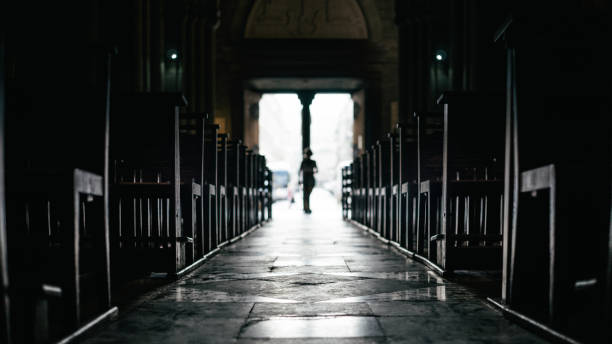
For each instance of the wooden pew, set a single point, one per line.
(256, 160)
(347, 188)
(147, 188)
(250, 197)
(384, 165)
(268, 194)
(223, 188)
(393, 188)
(407, 192)
(210, 187)
(356, 205)
(63, 277)
(557, 254)
(372, 188)
(362, 189)
(472, 187)
(258, 188)
(261, 188)
(234, 187)
(254, 199)
(354, 189)
(430, 137)
(243, 189)
(56, 250)
(191, 133)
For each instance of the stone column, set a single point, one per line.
(306, 98)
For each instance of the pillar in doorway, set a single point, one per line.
(306, 99)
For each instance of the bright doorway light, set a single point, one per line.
(331, 133)
(280, 139)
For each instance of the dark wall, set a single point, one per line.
(461, 32)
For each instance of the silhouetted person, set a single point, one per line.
(308, 168)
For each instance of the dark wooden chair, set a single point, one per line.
(347, 190)
(407, 192)
(557, 253)
(430, 137)
(268, 193)
(384, 165)
(191, 131)
(223, 187)
(61, 250)
(392, 148)
(262, 189)
(243, 189)
(257, 189)
(361, 205)
(248, 189)
(210, 186)
(147, 189)
(233, 168)
(372, 185)
(472, 182)
(56, 250)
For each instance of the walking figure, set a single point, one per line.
(308, 168)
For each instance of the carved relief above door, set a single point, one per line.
(306, 19)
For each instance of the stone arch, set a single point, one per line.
(298, 19)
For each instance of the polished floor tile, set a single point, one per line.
(332, 327)
(311, 279)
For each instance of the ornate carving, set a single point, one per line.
(310, 19)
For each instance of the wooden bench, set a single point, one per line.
(557, 259)
(347, 189)
(260, 186)
(249, 189)
(58, 252)
(243, 190)
(372, 187)
(223, 188)
(384, 167)
(210, 186)
(147, 231)
(472, 182)
(406, 191)
(355, 172)
(268, 193)
(558, 165)
(362, 192)
(430, 137)
(392, 172)
(191, 134)
(54, 245)
(233, 168)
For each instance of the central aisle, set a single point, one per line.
(311, 279)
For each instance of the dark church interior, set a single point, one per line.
(136, 202)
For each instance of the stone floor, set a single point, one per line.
(311, 279)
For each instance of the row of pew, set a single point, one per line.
(170, 192)
(182, 190)
(515, 183)
(437, 195)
